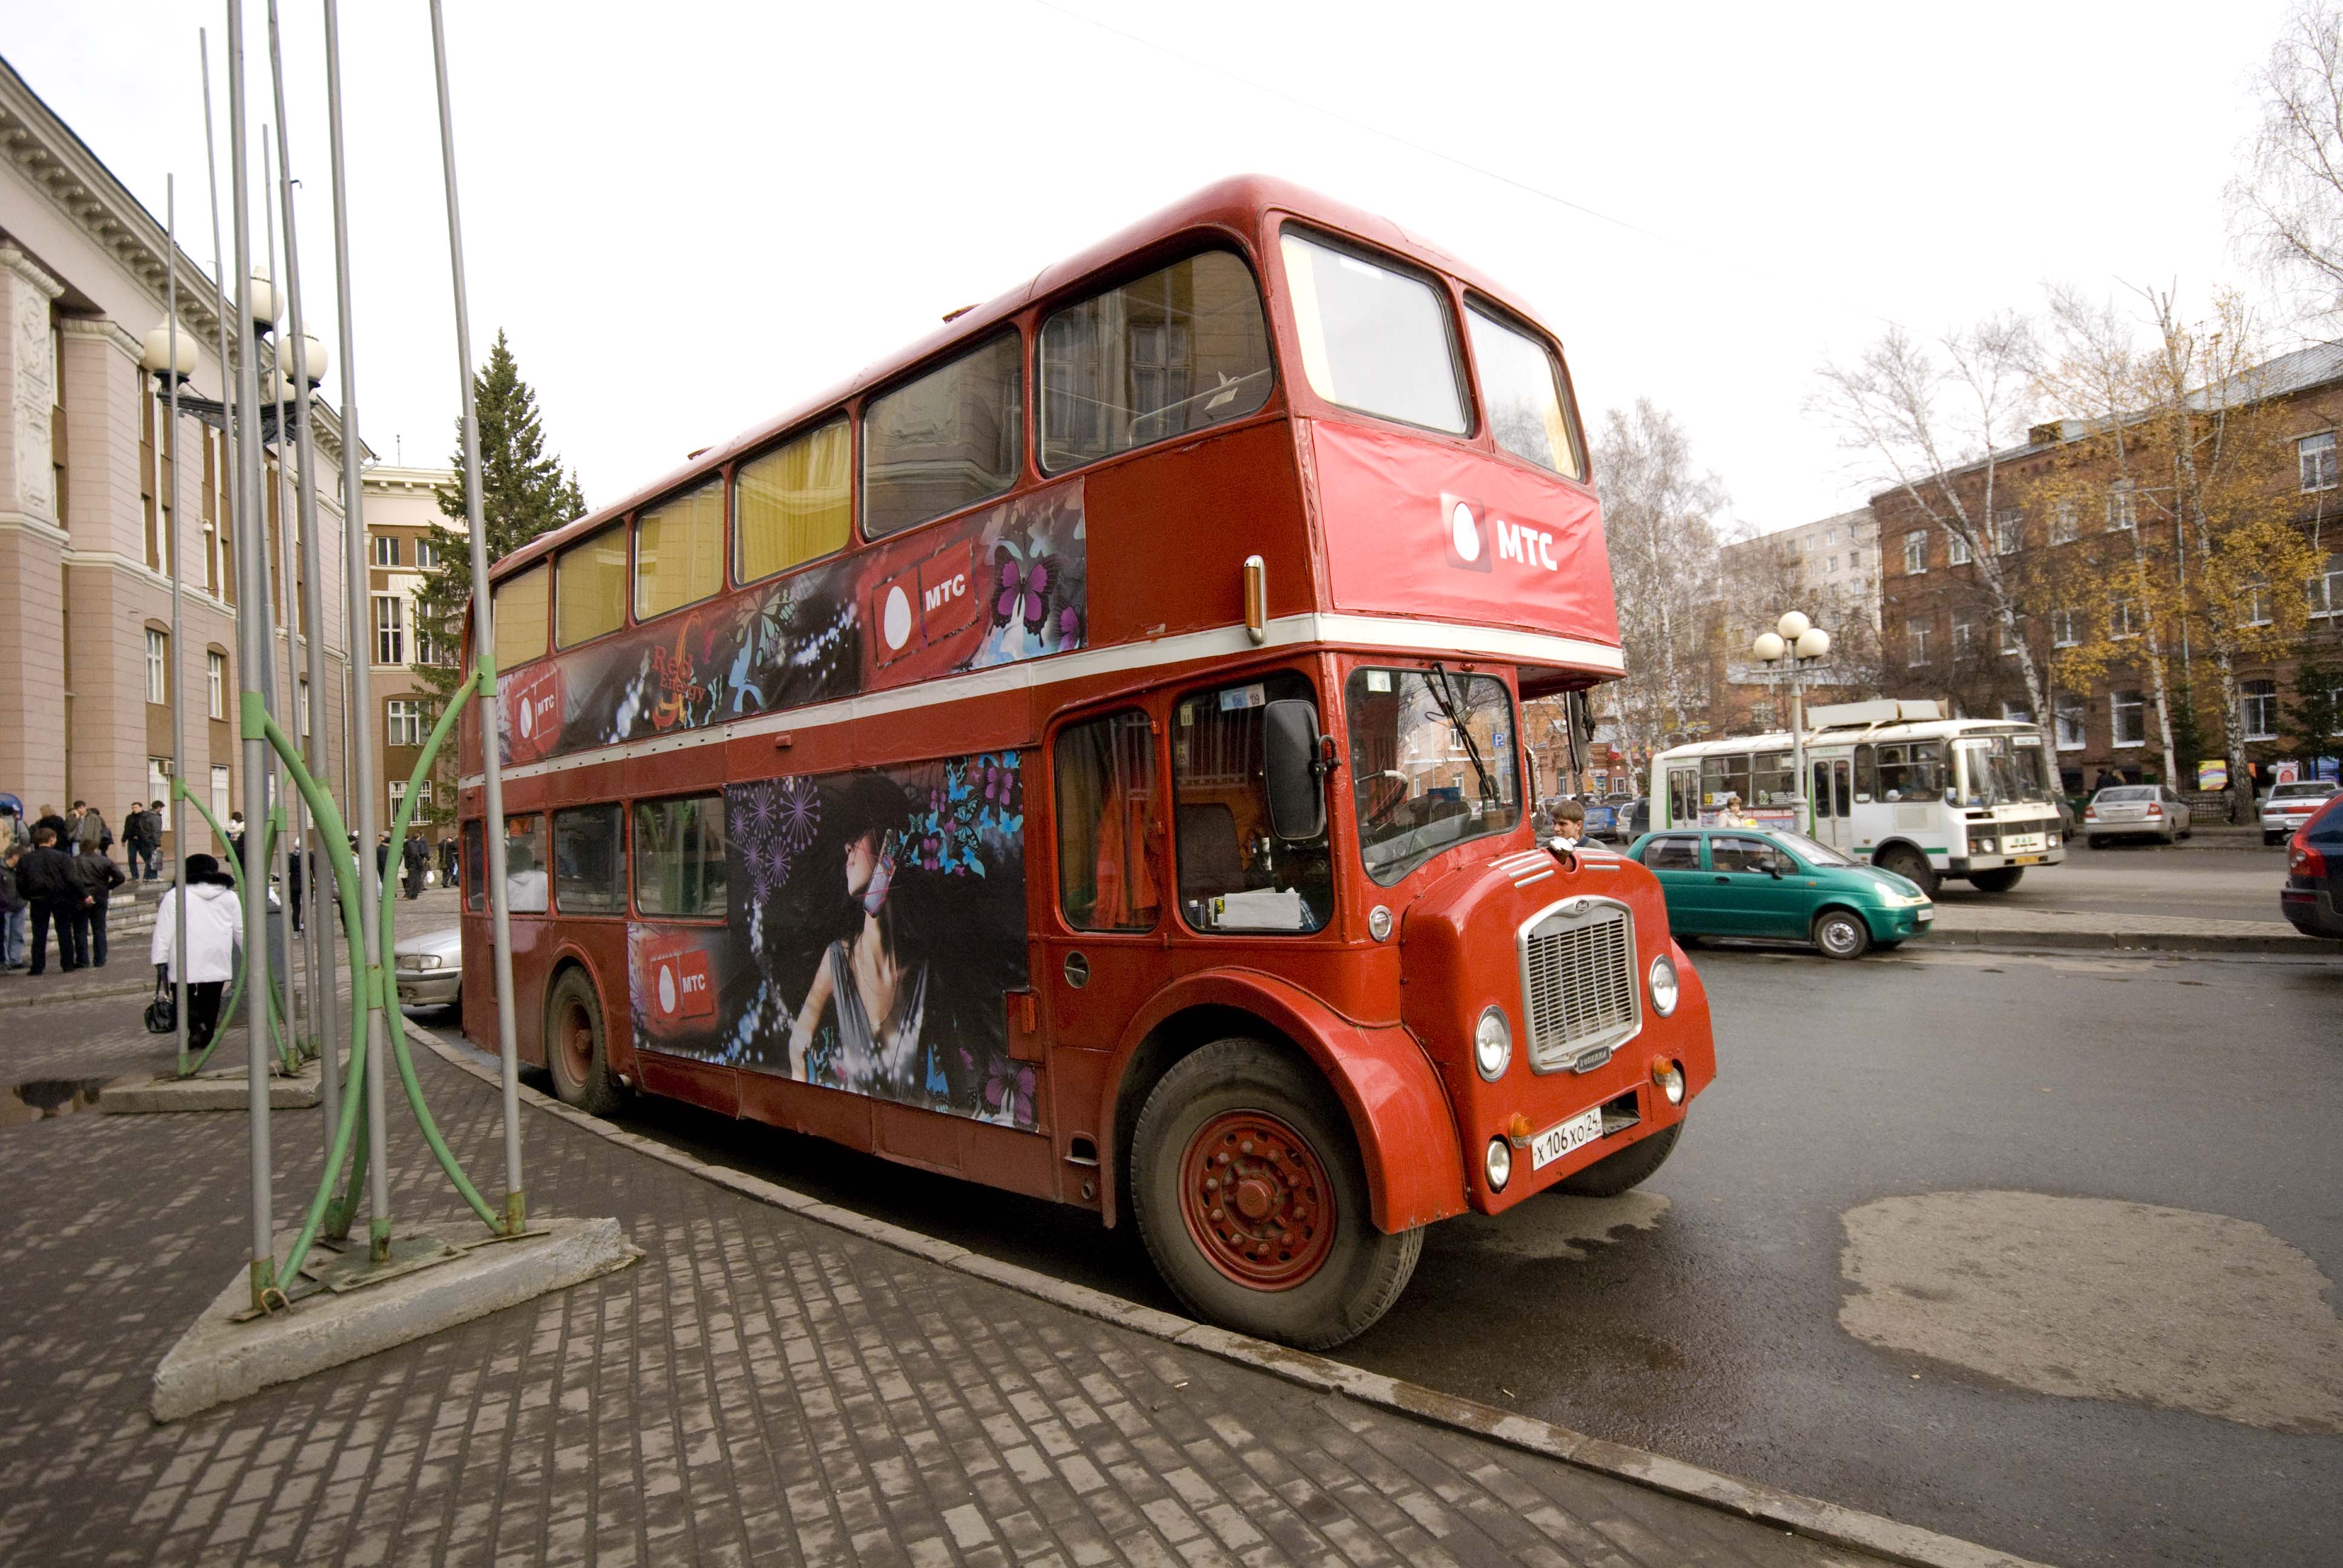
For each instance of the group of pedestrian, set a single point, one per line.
(57, 874)
(141, 839)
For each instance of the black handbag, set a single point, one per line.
(163, 1009)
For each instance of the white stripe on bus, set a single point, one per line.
(1385, 632)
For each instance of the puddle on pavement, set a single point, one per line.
(44, 1099)
(1553, 1226)
(2093, 1298)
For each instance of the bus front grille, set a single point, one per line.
(1578, 984)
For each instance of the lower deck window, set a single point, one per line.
(524, 884)
(1106, 803)
(1235, 874)
(587, 877)
(679, 858)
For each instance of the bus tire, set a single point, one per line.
(1912, 866)
(1295, 1257)
(1997, 882)
(577, 1047)
(1631, 1166)
(1841, 934)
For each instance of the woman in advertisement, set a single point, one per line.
(878, 986)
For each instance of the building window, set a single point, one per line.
(2325, 588)
(159, 665)
(2122, 513)
(1915, 550)
(2063, 529)
(2129, 710)
(1761, 716)
(215, 683)
(2123, 618)
(385, 549)
(2008, 637)
(397, 798)
(2066, 630)
(1830, 536)
(1854, 559)
(2016, 713)
(301, 704)
(2259, 606)
(427, 555)
(389, 629)
(2317, 456)
(1956, 548)
(1964, 637)
(429, 648)
(406, 721)
(1833, 564)
(220, 790)
(1915, 642)
(2068, 709)
(2008, 532)
(2259, 700)
(158, 779)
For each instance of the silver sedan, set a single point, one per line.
(428, 969)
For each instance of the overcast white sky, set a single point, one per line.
(689, 217)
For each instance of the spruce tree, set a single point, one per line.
(523, 493)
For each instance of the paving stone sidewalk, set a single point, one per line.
(758, 1389)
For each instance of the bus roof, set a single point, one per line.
(1236, 206)
(1915, 730)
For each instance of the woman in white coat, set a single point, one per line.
(215, 934)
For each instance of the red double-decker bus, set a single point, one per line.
(1081, 755)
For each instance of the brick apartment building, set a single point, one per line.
(91, 511)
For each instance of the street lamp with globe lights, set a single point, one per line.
(1795, 642)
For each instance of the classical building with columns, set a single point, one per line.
(92, 510)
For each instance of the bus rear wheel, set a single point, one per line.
(1997, 882)
(577, 1053)
(1912, 866)
(1253, 1201)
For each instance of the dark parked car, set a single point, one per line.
(2313, 895)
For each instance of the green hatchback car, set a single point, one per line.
(1761, 882)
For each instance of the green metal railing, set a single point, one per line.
(373, 991)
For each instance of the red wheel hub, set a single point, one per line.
(577, 1034)
(1256, 1200)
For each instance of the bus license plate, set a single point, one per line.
(1556, 1142)
(2026, 860)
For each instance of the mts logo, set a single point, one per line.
(1476, 539)
(682, 984)
(943, 593)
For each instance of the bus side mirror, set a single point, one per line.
(1297, 806)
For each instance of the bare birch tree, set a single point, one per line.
(1658, 511)
(1931, 429)
(2287, 209)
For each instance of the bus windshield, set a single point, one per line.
(1431, 764)
(1991, 773)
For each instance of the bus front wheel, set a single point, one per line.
(1253, 1201)
(576, 1048)
(1912, 866)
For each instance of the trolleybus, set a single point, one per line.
(1081, 755)
(1892, 781)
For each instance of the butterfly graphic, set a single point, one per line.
(1023, 593)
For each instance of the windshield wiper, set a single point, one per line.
(1447, 701)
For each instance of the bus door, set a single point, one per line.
(1683, 794)
(1832, 791)
(1103, 954)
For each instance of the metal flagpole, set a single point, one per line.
(284, 702)
(178, 647)
(252, 663)
(483, 655)
(366, 790)
(318, 918)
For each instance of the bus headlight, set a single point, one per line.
(1664, 985)
(1493, 1044)
(1670, 1077)
(1499, 1164)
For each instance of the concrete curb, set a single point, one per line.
(218, 1359)
(226, 1088)
(2285, 942)
(1807, 1516)
(87, 993)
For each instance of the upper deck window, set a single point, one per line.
(679, 551)
(947, 440)
(589, 588)
(518, 610)
(1372, 338)
(1165, 354)
(794, 503)
(1521, 386)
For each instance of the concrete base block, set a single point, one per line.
(220, 1359)
(223, 1089)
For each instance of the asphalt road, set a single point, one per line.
(2038, 1381)
(2238, 883)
